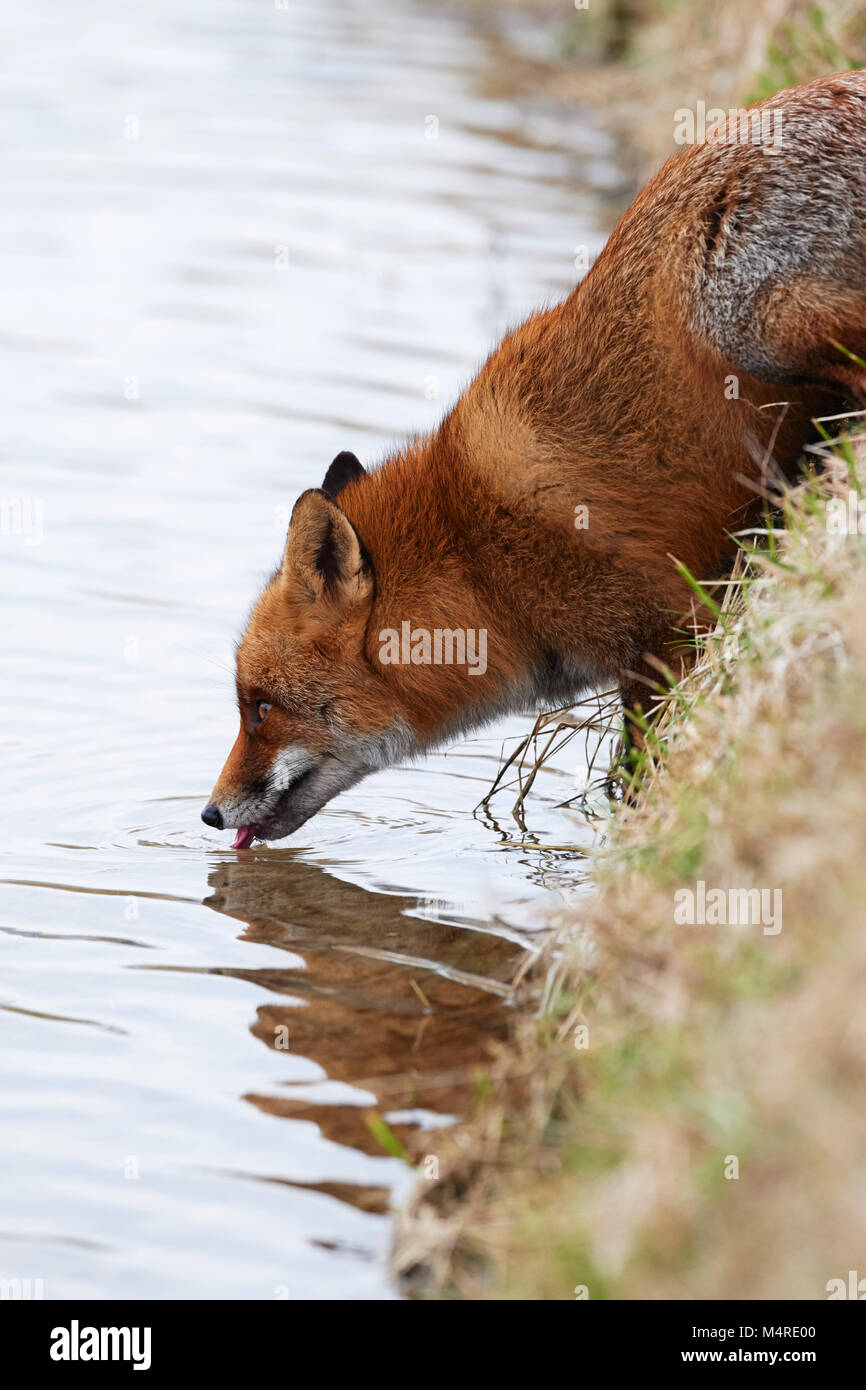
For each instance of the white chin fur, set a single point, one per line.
(283, 809)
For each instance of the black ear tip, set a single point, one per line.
(345, 469)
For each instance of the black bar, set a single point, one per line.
(208, 1337)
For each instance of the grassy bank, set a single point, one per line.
(685, 1119)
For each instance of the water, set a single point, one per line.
(237, 239)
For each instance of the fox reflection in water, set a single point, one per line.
(405, 1008)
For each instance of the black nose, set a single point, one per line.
(211, 816)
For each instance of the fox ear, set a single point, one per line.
(325, 568)
(345, 469)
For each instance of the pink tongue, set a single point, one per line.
(244, 837)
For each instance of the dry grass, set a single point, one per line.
(604, 1165)
(592, 721)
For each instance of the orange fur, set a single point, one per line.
(732, 264)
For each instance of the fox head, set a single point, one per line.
(315, 715)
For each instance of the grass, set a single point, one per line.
(811, 39)
(683, 1115)
(595, 719)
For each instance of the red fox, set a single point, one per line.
(523, 552)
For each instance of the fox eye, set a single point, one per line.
(263, 709)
